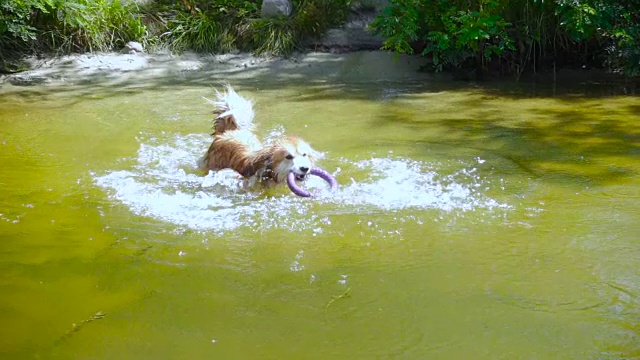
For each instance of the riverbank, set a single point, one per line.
(122, 71)
(144, 69)
(349, 52)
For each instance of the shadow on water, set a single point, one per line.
(556, 142)
(576, 140)
(347, 74)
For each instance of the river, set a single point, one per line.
(473, 220)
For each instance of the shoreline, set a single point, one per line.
(117, 68)
(140, 70)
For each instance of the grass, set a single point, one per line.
(66, 26)
(81, 25)
(219, 29)
(271, 36)
(197, 32)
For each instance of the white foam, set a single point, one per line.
(164, 185)
(401, 183)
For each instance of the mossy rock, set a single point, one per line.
(12, 67)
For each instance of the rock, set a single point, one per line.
(13, 66)
(27, 79)
(275, 8)
(132, 47)
(375, 5)
(352, 36)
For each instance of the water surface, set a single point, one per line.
(473, 221)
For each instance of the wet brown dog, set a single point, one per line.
(236, 147)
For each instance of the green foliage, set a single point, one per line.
(578, 19)
(63, 25)
(283, 35)
(512, 34)
(15, 19)
(402, 24)
(515, 33)
(468, 34)
(451, 31)
(206, 26)
(82, 25)
(270, 36)
(198, 25)
(221, 26)
(198, 32)
(624, 51)
(313, 18)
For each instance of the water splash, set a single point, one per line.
(164, 185)
(401, 183)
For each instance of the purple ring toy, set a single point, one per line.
(296, 189)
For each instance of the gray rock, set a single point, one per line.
(132, 47)
(352, 36)
(376, 5)
(27, 79)
(275, 8)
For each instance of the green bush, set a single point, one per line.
(452, 32)
(16, 17)
(515, 35)
(225, 25)
(625, 54)
(63, 25)
(467, 34)
(197, 32)
(90, 25)
(198, 25)
(269, 36)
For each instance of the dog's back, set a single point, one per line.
(233, 137)
(236, 147)
(233, 112)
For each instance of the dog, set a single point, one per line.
(235, 146)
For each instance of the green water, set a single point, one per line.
(473, 222)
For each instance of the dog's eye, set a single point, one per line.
(304, 154)
(289, 157)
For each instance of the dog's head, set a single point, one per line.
(292, 155)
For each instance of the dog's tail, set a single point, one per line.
(232, 111)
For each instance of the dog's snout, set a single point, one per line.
(304, 169)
